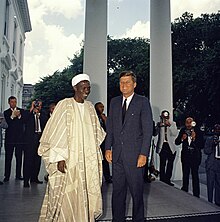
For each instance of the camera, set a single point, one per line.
(165, 115)
(216, 139)
(193, 123)
(36, 103)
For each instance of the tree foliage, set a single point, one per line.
(196, 67)
(53, 88)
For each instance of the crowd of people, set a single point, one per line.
(77, 142)
(23, 129)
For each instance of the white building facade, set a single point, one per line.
(14, 23)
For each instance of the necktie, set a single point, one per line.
(166, 134)
(124, 108)
(37, 122)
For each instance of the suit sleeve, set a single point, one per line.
(109, 129)
(178, 140)
(8, 117)
(208, 148)
(173, 129)
(147, 126)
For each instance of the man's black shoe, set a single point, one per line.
(108, 180)
(1, 183)
(6, 179)
(19, 178)
(169, 183)
(36, 181)
(26, 184)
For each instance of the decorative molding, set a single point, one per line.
(6, 43)
(7, 61)
(14, 60)
(14, 74)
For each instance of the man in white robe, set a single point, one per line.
(70, 147)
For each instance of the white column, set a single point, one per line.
(161, 90)
(161, 84)
(95, 49)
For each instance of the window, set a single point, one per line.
(15, 38)
(21, 52)
(6, 19)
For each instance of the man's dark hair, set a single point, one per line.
(11, 97)
(98, 103)
(128, 73)
(51, 105)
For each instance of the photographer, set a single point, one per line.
(34, 126)
(212, 149)
(167, 131)
(192, 142)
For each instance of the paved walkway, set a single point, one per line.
(162, 202)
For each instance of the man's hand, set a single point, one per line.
(32, 106)
(142, 160)
(184, 136)
(193, 135)
(108, 155)
(61, 165)
(18, 113)
(167, 122)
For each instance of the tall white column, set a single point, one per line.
(161, 84)
(161, 90)
(95, 49)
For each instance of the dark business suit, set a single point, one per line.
(14, 136)
(191, 158)
(32, 160)
(105, 164)
(128, 141)
(212, 170)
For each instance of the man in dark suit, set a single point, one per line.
(99, 107)
(35, 122)
(14, 117)
(192, 142)
(129, 131)
(212, 165)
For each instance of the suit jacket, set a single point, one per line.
(171, 135)
(187, 154)
(134, 136)
(14, 134)
(30, 125)
(211, 163)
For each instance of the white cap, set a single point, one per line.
(80, 77)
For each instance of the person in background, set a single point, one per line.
(212, 149)
(51, 108)
(50, 112)
(3, 125)
(167, 132)
(14, 138)
(192, 142)
(99, 107)
(35, 122)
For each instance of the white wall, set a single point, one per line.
(11, 53)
